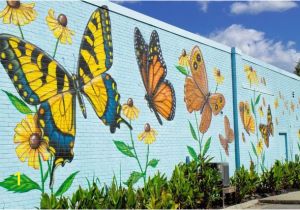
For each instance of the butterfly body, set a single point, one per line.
(160, 94)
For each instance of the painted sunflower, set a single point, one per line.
(299, 134)
(219, 78)
(59, 27)
(18, 13)
(129, 110)
(259, 147)
(30, 142)
(148, 135)
(251, 75)
(184, 59)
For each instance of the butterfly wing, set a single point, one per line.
(164, 100)
(39, 79)
(217, 102)
(270, 121)
(193, 97)
(264, 133)
(224, 143)
(228, 130)
(95, 58)
(196, 87)
(205, 119)
(198, 70)
(141, 52)
(246, 117)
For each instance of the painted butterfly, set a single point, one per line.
(267, 129)
(160, 93)
(41, 80)
(229, 136)
(196, 93)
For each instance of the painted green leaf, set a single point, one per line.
(134, 178)
(182, 70)
(18, 103)
(206, 146)
(26, 184)
(124, 148)
(66, 184)
(46, 175)
(252, 107)
(193, 153)
(263, 158)
(153, 163)
(193, 132)
(257, 99)
(299, 146)
(254, 150)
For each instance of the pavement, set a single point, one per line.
(284, 201)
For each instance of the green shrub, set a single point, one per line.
(185, 187)
(246, 182)
(191, 186)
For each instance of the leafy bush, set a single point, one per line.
(245, 181)
(193, 185)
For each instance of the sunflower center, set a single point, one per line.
(35, 141)
(218, 73)
(183, 53)
(63, 20)
(130, 102)
(251, 69)
(147, 127)
(13, 3)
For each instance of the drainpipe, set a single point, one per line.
(235, 53)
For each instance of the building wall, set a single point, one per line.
(96, 154)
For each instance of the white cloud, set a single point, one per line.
(256, 7)
(203, 5)
(255, 44)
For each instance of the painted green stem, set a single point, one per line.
(216, 88)
(42, 174)
(55, 49)
(146, 167)
(49, 162)
(199, 140)
(135, 153)
(21, 32)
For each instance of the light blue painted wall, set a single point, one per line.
(95, 153)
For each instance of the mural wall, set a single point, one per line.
(97, 94)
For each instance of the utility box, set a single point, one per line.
(223, 168)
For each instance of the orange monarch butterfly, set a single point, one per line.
(160, 93)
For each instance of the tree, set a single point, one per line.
(297, 69)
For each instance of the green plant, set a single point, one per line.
(155, 194)
(246, 182)
(184, 185)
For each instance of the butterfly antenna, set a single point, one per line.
(126, 123)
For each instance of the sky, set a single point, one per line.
(267, 30)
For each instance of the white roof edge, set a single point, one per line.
(181, 32)
(158, 24)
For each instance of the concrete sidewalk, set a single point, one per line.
(287, 198)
